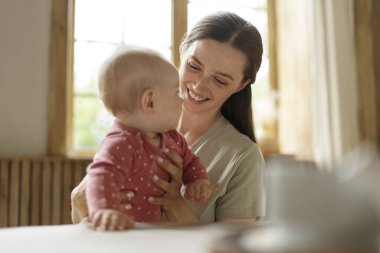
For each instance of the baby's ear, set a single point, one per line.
(147, 101)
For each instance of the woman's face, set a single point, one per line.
(210, 73)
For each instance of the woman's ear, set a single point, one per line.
(243, 85)
(147, 101)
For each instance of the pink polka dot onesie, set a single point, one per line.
(127, 161)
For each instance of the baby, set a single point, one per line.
(140, 88)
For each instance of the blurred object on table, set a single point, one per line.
(312, 210)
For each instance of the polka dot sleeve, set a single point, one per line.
(192, 166)
(106, 173)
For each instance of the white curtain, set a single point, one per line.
(334, 83)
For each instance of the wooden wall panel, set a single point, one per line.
(36, 191)
(57, 191)
(25, 194)
(68, 185)
(46, 191)
(35, 197)
(4, 193)
(14, 199)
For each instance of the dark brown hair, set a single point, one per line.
(243, 36)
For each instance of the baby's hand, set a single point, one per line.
(200, 190)
(110, 220)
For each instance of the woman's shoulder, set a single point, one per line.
(233, 138)
(225, 143)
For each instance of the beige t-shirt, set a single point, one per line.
(236, 162)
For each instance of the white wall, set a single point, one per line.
(24, 58)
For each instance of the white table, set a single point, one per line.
(80, 238)
(212, 238)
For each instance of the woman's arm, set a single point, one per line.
(237, 219)
(176, 210)
(79, 209)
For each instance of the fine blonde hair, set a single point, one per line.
(125, 75)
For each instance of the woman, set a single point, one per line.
(220, 58)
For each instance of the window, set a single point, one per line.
(99, 28)
(96, 28)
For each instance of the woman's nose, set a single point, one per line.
(200, 84)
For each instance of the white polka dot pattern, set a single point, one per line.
(129, 162)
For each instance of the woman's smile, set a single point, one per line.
(195, 97)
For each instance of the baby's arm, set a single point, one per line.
(195, 177)
(200, 190)
(104, 179)
(109, 219)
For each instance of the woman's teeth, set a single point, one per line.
(195, 97)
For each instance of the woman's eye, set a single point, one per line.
(193, 67)
(218, 81)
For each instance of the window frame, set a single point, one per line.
(61, 60)
(57, 142)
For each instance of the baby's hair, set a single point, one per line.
(126, 74)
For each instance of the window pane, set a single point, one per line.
(166, 52)
(99, 20)
(88, 58)
(260, 21)
(100, 27)
(257, 4)
(148, 23)
(199, 9)
(90, 122)
(263, 101)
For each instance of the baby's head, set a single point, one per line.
(134, 77)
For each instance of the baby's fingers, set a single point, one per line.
(206, 191)
(100, 220)
(106, 221)
(204, 194)
(189, 194)
(214, 187)
(124, 222)
(96, 220)
(198, 192)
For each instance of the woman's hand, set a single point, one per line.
(172, 202)
(173, 165)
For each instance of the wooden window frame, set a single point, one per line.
(367, 41)
(61, 49)
(57, 142)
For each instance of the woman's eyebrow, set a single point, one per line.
(218, 72)
(225, 75)
(196, 59)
